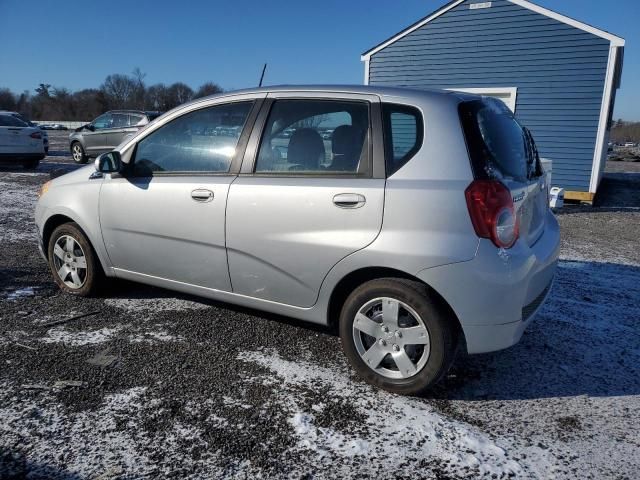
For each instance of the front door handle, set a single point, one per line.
(349, 200)
(202, 195)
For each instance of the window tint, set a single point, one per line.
(201, 141)
(120, 120)
(498, 145)
(10, 121)
(135, 119)
(403, 135)
(103, 121)
(315, 137)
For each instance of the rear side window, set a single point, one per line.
(315, 137)
(402, 133)
(10, 121)
(499, 147)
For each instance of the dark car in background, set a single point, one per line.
(107, 132)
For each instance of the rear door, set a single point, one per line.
(164, 217)
(302, 202)
(120, 128)
(95, 141)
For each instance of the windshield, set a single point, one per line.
(498, 145)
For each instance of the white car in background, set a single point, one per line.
(19, 142)
(45, 135)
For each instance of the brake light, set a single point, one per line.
(492, 213)
(36, 135)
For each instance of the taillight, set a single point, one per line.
(492, 213)
(36, 135)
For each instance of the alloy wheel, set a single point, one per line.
(70, 262)
(391, 338)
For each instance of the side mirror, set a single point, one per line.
(109, 162)
(90, 127)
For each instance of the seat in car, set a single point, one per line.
(346, 146)
(306, 150)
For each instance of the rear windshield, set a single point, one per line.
(11, 121)
(499, 147)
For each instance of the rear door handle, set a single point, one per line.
(349, 200)
(202, 195)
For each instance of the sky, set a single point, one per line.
(76, 44)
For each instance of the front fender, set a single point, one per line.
(77, 198)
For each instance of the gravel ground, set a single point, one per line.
(154, 384)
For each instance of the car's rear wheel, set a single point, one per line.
(73, 263)
(77, 152)
(31, 164)
(396, 336)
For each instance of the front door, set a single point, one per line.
(309, 199)
(165, 216)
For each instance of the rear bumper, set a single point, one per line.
(496, 295)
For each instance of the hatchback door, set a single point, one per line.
(302, 202)
(502, 149)
(164, 216)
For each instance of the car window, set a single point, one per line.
(10, 121)
(135, 119)
(120, 120)
(315, 137)
(103, 121)
(204, 140)
(403, 135)
(498, 145)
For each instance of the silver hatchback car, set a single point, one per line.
(419, 226)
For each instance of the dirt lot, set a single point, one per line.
(154, 384)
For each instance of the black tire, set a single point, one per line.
(78, 154)
(436, 319)
(30, 164)
(93, 276)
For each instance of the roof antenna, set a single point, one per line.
(264, 69)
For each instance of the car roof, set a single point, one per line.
(406, 93)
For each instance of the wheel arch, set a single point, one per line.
(354, 279)
(53, 222)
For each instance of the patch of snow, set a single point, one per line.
(22, 292)
(154, 305)
(406, 430)
(80, 338)
(17, 204)
(150, 337)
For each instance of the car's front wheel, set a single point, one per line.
(73, 263)
(77, 152)
(396, 336)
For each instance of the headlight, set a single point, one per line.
(44, 188)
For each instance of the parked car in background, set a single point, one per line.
(45, 135)
(629, 144)
(54, 126)
(107, 132)
(19, 142)
(465, 256)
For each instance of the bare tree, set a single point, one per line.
(178, 93)
(207, 89)
(7, 99)
(138, 95)
(155, 97)
(119, 90)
